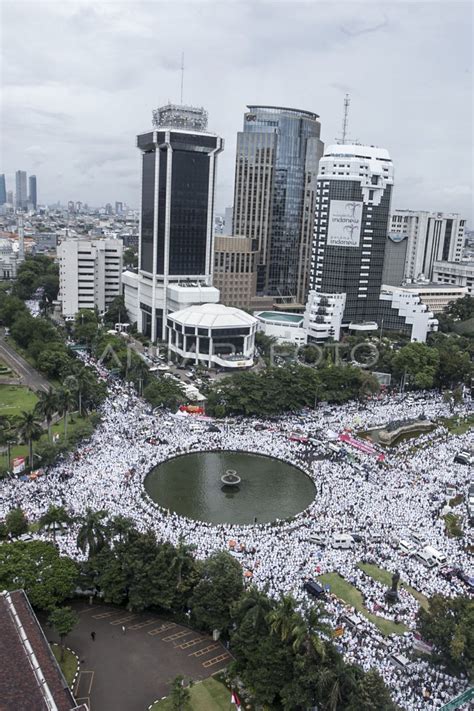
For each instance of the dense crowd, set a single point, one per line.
(380, 502)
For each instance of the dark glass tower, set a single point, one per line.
(178, 181)
(3, 190)
(276, 169)
(32, 197)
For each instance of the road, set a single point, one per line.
(29, 376)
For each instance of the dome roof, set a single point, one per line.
(213, 316)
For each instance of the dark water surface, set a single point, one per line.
(190, 485)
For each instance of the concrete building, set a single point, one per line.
(176, 253)
(395, 258)
(285, 327)
(9, 260)
(455, 273)
(213, 334)
(21, 196)
(435, 296)
(3, 190)
(89, 274)
(235, 270)
(276, 168)
(430, 237)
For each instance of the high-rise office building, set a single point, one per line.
(3, 190)
(176, 227)
(89, 274)
(276, 169)
(425, 237)
(350, 236)
(235, 270)
(21, 197)
(32, 198)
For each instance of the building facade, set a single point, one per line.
(21, 196)
(90, 274)
(3, 190)
(32, 197)
(213, 334)
(430, 237)
(179, 159)
(350, 231)
(235, 270)
(456, 273)
(435, 296)
(276, 169)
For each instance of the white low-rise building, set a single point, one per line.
(90, 274)
(455, 273)
(284, 327)
(213, 334)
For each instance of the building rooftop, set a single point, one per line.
(280, 317)
(30, 676)
(355, 150)
(213, 316)
(287, 109)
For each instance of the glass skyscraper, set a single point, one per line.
(3, 190)
(277, 161)
(21, 196)
(32, 197)
(177, 204)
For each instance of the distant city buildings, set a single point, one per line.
(276, 169)
(32, 197)
(3, 190)
(89, 274)
(21, 195)
(455, 273)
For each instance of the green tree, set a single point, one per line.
(164, 392)
(16, 522)
(371, 694)
(65, 401)
(86, 326)
(179, 695)
(130, 258)
(53, 518)
(418, 361)
(116, 312)
(46, 407)
(92, 532)
(29, 430)
(37, 567)
(220, 585)
(181, 559)
(63, 619)
(449, 625)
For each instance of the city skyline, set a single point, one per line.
(81, 122)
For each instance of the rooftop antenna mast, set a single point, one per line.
(182, 76)
(345, 123)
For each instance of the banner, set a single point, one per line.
(19, 464)
(345, 219)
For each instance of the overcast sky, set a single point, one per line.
(79, 80)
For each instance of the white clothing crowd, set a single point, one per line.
(381, 502)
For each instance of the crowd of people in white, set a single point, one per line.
(380, 502)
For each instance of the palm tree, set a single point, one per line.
(84, 381)
(6, 435)
(92, 533)
(29, 429)
(54, 515)
(283, 619)
(255, 606)
(120, 526)
(181, 556)
(337, 681)
(307, 633)
(65, 403)
(46, 407)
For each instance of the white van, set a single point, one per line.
(401, 662)
(425, 559)
(342, 540)
(435, 555)
(406, 546)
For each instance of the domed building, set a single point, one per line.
(213, 334)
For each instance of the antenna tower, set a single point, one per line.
(345, 123)
(182, 76)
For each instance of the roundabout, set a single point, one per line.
(230, 487)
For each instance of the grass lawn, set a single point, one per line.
(208, 695)
(348, 593)
(384, 577)
(14, 399)
(69, 663)
(21, 450)
(458, 425)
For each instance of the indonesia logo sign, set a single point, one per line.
(345, 220)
